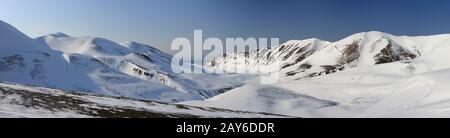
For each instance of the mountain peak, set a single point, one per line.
(14, 41)
(375, 32)
(7, 28)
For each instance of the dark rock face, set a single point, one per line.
(388, 54)
(328, 69)
(11, 62)
(301, 54)
(301, 68)
(38, 72)
(350, 53)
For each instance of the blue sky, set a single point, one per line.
(158, 22)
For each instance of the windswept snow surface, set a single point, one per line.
(424, 95)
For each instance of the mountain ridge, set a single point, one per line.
(315, 57)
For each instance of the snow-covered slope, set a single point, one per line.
(424, 95)
(272, 99)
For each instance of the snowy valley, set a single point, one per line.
(369, 74)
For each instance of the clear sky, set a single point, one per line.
(158, 22)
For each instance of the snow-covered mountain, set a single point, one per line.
(140, 61)
(23, 60)
(98, 65)
(315, 57)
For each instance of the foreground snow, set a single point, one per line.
(34, 102)
(380, 91)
